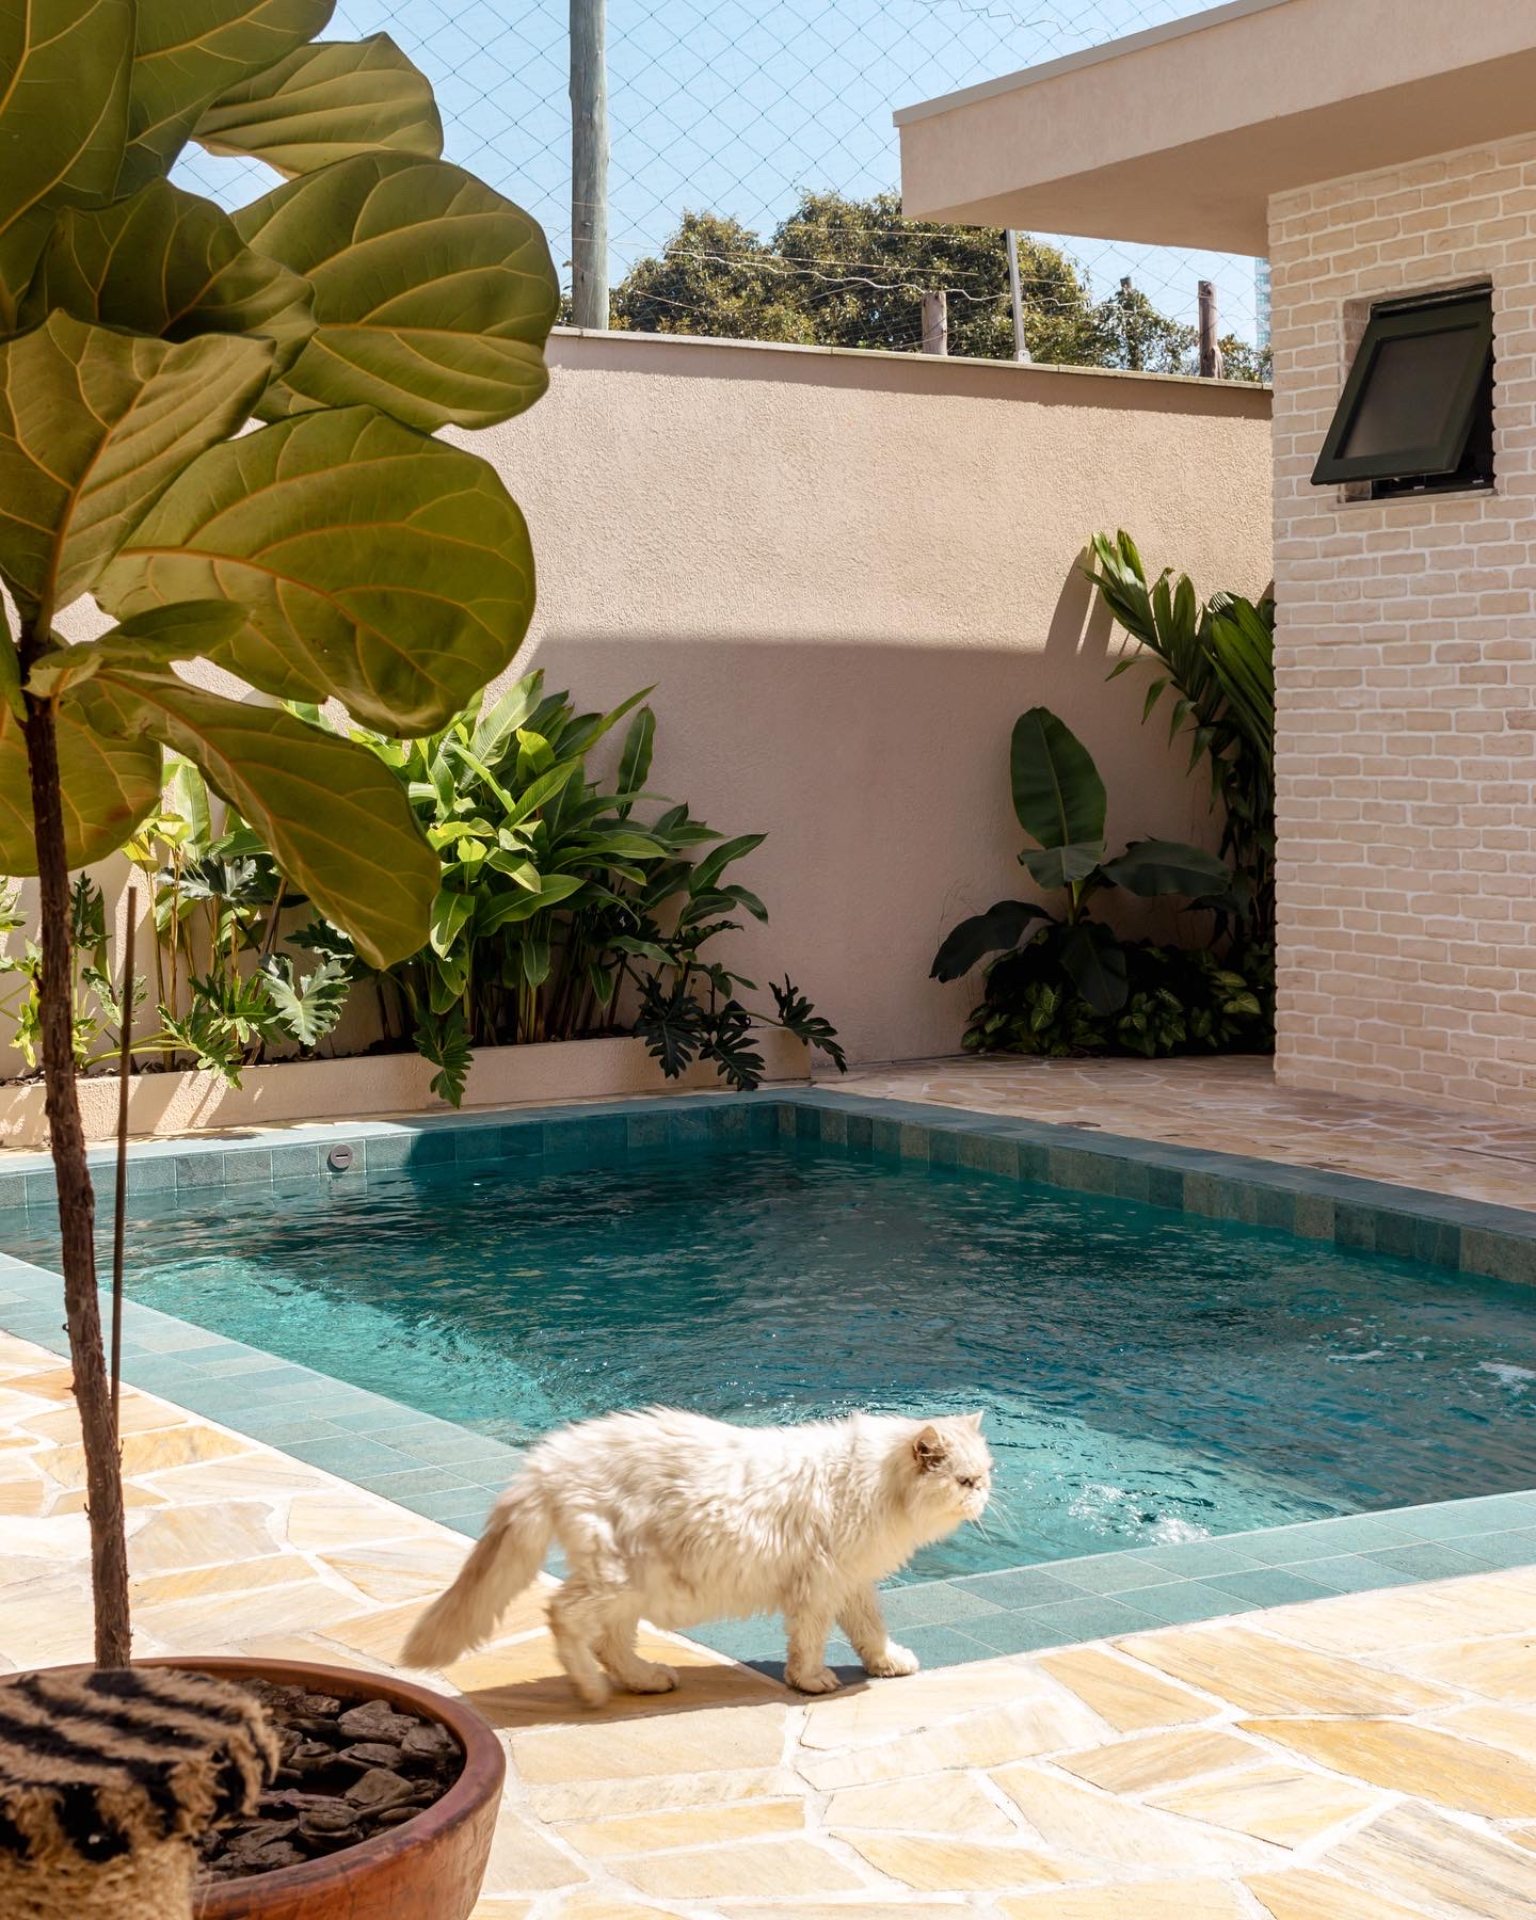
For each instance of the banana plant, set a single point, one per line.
(337, 551)
(1218, 669)
(1061, 803)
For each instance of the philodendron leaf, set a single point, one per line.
(1057, 793)
(389, 570)
(1153, 867)
(63, 117)
(1094, 961)
(109, 783)
(187, 53)
(94, 425)
(337, 820)
(998, 930)
(165, 262)
(434, 295)
(327, 103)
(1055, 867)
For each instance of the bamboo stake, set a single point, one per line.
(124, 1065)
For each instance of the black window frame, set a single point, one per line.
(1439, 461)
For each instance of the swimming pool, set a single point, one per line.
(1150, 1378)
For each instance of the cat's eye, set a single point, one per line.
(964, 1481)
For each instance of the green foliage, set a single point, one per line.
(1177, 1000)
(558, 912)
(230, 983)
(339, 551)
(1061, 983)
(1216, 668)
(852, 273)
(95, 1005)
(1060, 802)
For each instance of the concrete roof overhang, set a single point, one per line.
(1179, 136)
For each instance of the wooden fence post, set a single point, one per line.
(936, 322)
(1210, 330)
(1021, 350)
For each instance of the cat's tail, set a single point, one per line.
(506, 1559)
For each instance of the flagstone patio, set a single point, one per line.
(1232, 1104)
(1366, 1758)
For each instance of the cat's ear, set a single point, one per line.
(973, 1421)
(928, 1449)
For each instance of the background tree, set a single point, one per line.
(338, 551)
(852, 273)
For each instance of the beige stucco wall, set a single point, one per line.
(1407, 666)
(847, 574)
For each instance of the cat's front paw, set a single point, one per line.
(893, 1663)
(651, 1677)
(815, 1680)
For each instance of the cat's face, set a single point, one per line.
(954, 1467)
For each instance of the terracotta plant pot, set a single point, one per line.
(430, 1866)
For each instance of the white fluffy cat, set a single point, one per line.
(677, 1519)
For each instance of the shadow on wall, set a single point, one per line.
(880, 775)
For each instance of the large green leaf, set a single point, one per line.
(375, 565)
(63, 117)
(998, 930)
(434, 295)
(1069, 866)
(152, 639)
(94, 425)
(187, 53)
(1242, 646)
(327, 103)
(1154, 867)
(1094, 961)
(1057, 793)
(165, 262)
(109, 783)
(337, 820)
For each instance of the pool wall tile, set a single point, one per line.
(298, 1163)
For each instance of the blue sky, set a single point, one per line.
(731, 106)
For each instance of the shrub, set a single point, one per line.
(1062, 982)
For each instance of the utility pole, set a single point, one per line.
(589, 163)
(1210, 333)
(1021, 350)
(936, 322)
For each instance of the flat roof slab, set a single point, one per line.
(1179, 136)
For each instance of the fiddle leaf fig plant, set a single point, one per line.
(1061, 803)
(335, 552)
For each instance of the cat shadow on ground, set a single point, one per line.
(522, 1686)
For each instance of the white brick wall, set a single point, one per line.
(1406, 659)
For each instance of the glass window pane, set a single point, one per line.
(1410, 392)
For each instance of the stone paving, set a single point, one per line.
(1233, 1105)
(1371, 1757)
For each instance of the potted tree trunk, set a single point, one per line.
(334, 551)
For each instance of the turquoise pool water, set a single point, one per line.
(1147, 1376)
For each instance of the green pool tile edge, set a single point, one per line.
(444, 1471)
(1440, 1230)
(349, 1432)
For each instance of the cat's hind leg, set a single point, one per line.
(861, 1619)
(578, 1619)
(805, 1668)
(615, 1648)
